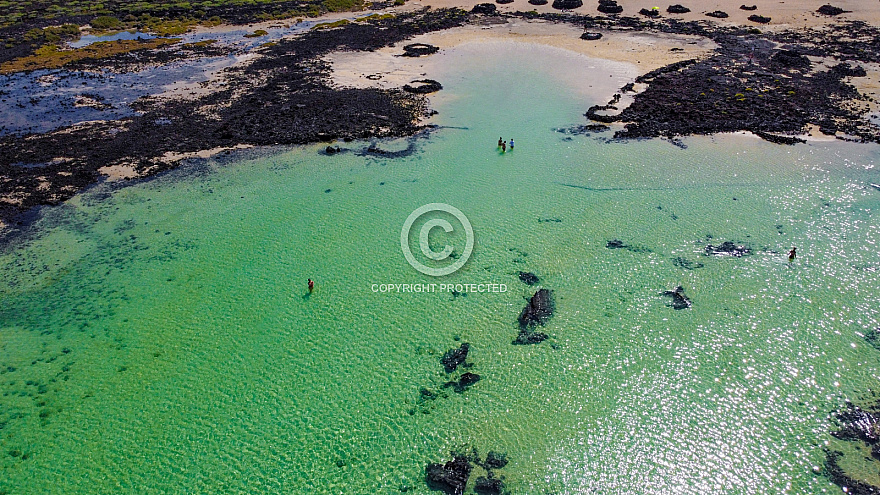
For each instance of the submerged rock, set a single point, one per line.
(679, 300)
(451, 477)
(529, 278)
(495, 460)
(538, 310)
(463, 383)
(489, 486)
(728, 248)
(455, 357)
(677, 9)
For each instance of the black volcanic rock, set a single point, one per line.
(650, 12)
(450, 478)
(538, 310)
(830, 10)
(529, 278)
(488, 486)
(748, 7)
(538, 2)
(718, 14)
(591, 36)
(484, 8)
(463, 383)
(455, 357)
(609, 7)
(679, 300)
(423, 86)
(790, 59)
(495, 460)
(419, 49)
(728, 248)
(759, 19)
(567, 4)
(677, 9)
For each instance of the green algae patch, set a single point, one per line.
(257, 33)
(51, 57)
(331, 25)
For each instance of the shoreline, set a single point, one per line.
(672, 59)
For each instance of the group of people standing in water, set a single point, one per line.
(503, 144)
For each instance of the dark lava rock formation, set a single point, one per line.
(451, 477)
(484, 8)
(488, 486)
(650, 13)
(536, 313)
(728, 248)
(609, 7)
(830, 10)
(529, 278)
(423, 86)
(503, 1)
(567, 4)
(538, 2)
(677, 9)
(748, 7)
(464, 382)
(455, 357)
(759, 19)
(591, 36)
(419, 49)
(679, 300)
(718, 14)
(860, 426)
(281, 97)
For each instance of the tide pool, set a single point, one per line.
(160, 338)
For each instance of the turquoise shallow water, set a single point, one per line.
(159, 338)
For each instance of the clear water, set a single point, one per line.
(159, 338)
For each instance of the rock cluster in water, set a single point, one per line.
(452, 477)
(679, 300)
(423, 86)
(454, 357)
(537, 311)
(728, 248)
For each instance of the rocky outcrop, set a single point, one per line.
(419, 49)
(830, 10)
(536, 313)
(454, 357)
(567, 4)
(718, 14)
(609, 7)
(759, 19)
(728, 248)
(423, 86)
(529, 278)
(591, 36)
(450, 478)
(679, 300)
(484, 8)
(677, 9)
